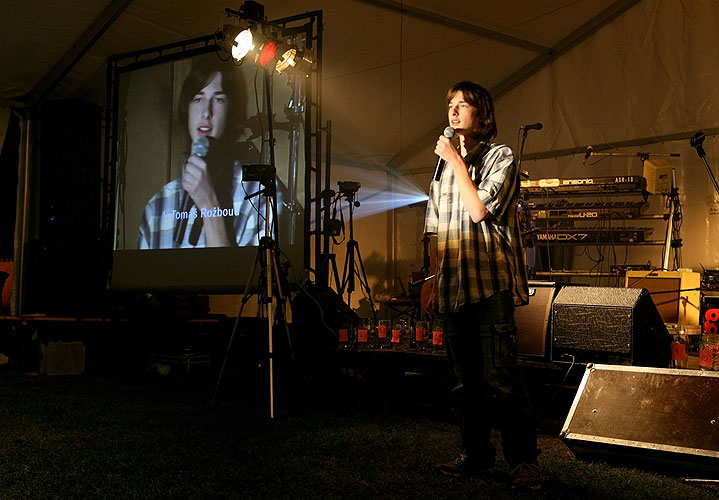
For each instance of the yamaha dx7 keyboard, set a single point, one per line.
(589, 236)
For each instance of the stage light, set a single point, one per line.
(293, 58)
(268, 52)
(236, 41)
(242, 44)
(264, 46)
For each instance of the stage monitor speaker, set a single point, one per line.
(533, 319)
(666, 417)
(608, 325)
(675, 293)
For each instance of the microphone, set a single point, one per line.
(532, 126)
(200, 148)
(589, 152)
(696, 142)
(448, 133)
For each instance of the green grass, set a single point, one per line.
(143, 436)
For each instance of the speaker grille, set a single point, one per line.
(603, 324)
(607, 329)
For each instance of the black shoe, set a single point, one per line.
(527, 476)
(461, 467)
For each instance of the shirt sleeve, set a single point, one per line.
(498, 180)
(143, 241)
(431, 219)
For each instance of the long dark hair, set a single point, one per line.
(477, 97)
(232, 83)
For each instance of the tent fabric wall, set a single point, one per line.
(650, 73)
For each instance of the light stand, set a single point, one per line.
(269, 297)
(353, 257)
(294, 111)
(267, 256)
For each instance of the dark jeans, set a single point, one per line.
(482, 349)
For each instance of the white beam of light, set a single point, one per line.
(379, 191)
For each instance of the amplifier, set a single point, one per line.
(710, 279)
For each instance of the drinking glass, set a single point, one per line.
(421, 334)
(384, 330)
(438, 337)
(363, 330)
(346, 336)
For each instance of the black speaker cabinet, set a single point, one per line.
(608, 325)
(646, 416)
(533, 319)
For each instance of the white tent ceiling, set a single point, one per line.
(386, 64)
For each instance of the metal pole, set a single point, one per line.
(670, 223)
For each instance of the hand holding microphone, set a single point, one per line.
(449, 134)
(200, 149)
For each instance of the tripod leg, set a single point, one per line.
(245, 297)
(282, 300)
(364, 283)
(336, 273)
(269, 312)
(346, 272)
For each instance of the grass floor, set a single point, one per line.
(147, 436)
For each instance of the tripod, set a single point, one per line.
(352, 259)
(270, 298)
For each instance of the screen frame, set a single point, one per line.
(127, 267)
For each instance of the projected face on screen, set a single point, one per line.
(207, 110)
(205, 206)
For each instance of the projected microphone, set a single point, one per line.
(200, 148)
(532, 126)
(589, 152)
(448, 133)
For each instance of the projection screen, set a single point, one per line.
(208, 118)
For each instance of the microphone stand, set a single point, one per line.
(525, 215)
(696, 142)
(521, 147)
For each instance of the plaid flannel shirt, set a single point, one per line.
(478, 260)
(160, 216)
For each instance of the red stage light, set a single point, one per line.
(268, 53)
